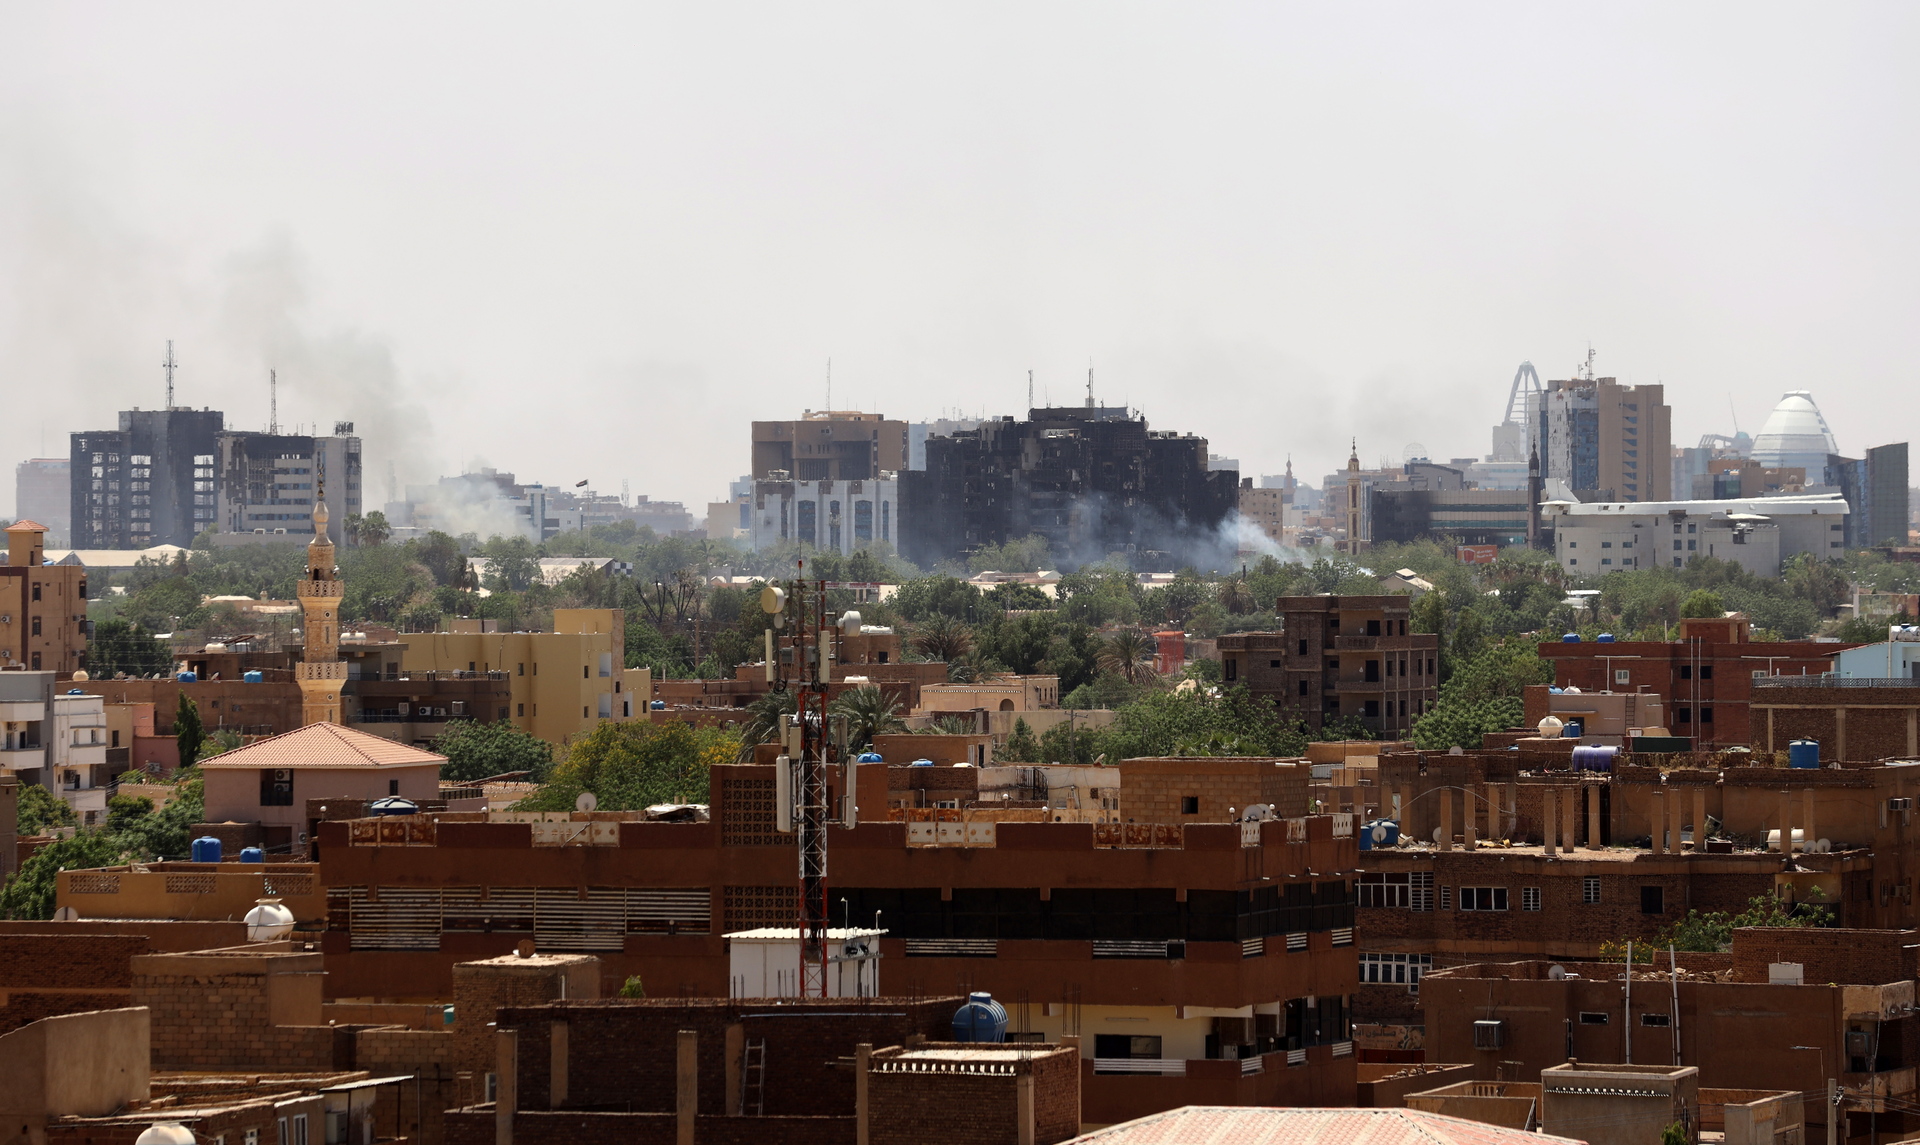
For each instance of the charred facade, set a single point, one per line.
(1091, 481)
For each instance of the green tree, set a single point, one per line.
(1702, 603)
(1483, 695)
(766, 717)
(167, 833)
(29, 893)
(1064, 743)
(946, 595)
(1128, 654)
(188, 732)
(124, 810)
(41, 810)
(374, 529)
(941, 637)
(633, 987)
(1021, 746)
(118, 646)
(869, 712)
(477, 751)
(631, 766)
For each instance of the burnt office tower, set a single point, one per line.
(1091, 480)
(149, 482)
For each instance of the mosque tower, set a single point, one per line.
(321, 674)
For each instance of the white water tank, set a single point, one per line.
(268, 921)
(1551, 727)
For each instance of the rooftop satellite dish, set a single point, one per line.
(772, 599)
(1379, 833)
(1437, 833)
(66, 914)
(1556, 972)
(1823, 846)
(588, 801)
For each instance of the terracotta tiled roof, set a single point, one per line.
(1249, 1125)
(25, 526)
(325, 745)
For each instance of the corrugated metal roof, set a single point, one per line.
(325, 745)
(1243, 1125)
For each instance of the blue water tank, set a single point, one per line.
(254, 676)
(1574, 729)
(252, 855)
(187, 677)
(1803, 753)
(981, 1020)
(1570, 638)
(1365, 838)
(206, 849)
(393, 805)
(659, 705)
(1588, 757)
(870, 757)
(921, 763)
(76, 691)
(1604, 638)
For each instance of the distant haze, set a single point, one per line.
(595, 242)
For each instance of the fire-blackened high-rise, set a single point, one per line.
(1091, 481)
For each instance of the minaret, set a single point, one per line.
(1536, 489)
(1353, 500)
(321, 674)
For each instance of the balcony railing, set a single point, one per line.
(1835, 682)
(1165, 1067)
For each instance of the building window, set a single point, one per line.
(1303, 687)
(1686, 671)
(1126, 1046)
(1653, 900)
(1383, 889)
(1686, 715)
(1706, 671)
(1590, 889)
(1656, 1020)
(1303, 646)
(1706, 715)
(1593, 1018)
(1230, 670)
(1446, 898)
(1529, 898)
(1395, 970)
(1622, 675)
(523, 711)
(1189, 805)
(1483, 898)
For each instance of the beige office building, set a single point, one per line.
(563, 683)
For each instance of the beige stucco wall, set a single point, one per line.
(87, 1065)
(233, 794)
(555, 677)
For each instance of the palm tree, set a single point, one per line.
(765, 718)
(869, 713)
(940, 637)
(1127, 653)
(1235, 596)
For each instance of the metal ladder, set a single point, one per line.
(753, 1080)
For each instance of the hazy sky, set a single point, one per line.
(595, 242)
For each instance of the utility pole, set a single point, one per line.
(1833, 1111)
(168, 366)
(1029, 393)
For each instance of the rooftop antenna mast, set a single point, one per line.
(1585, 369)
(273, 401)
(1089, 385)
(1029, 392)
(829, 385)
(168, 366)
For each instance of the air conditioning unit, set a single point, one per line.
(1489, 1034)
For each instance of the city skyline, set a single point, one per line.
(1275, 229)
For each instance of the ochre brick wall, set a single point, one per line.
(427, 1056)
(907, 1108)
(621, 1051)
(69, 961)
(1155, 790)
(23, 1006)
(209, 1022)
(1843, 957)
(566, 1127)
(482, 988)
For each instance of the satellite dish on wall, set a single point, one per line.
(1437, 833)
(1823, 846)
(1556, 972)
(588, 801)
(66, 914)
(1379, 833)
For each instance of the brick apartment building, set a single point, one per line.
(1706, 675)
(1210, 960)
(1787, 1009)
(1337, 656)
(1851, 719)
